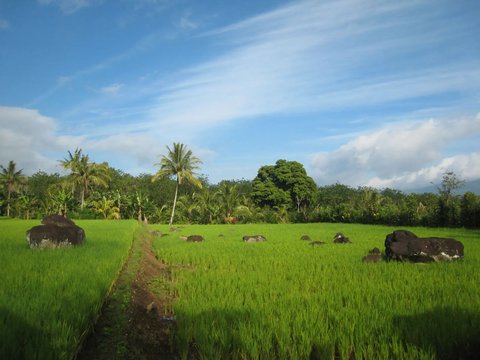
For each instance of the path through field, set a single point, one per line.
(135, 322)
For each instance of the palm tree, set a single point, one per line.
(187, 207)
(11, 180)
(208, 206)
(84, 173)
(179, 163)
(229, 199)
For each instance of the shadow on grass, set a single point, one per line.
(447, 333)
(21, 340)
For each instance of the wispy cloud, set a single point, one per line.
(186, 23)
(70, 6)
(111, 89)
(155, 6)
(142, 45)
(4, 24)
(317, 56)
(306, 57)
(404, 154)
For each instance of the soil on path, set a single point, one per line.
(136, 322)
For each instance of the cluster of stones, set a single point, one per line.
(401, 245)
(55, 231)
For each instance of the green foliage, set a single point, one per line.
(39, 183)
(106, 208)
(286, 299)
(280, 193)
(11, 182)
(470, 210)
(286, 184)
(50, 298)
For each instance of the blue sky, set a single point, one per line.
(376, 93)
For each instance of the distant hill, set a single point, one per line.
(472, 186)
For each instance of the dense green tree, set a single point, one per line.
(335, 203)
(39, 183)
(285, 184)
(181, 164)
(265, 190)
(470, 210)
(11, 181)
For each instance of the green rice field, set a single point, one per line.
(286, 299)
(50, 298)
(280, 299)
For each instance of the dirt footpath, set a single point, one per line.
(136, 322)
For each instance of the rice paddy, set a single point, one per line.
(286, 299)
(278, 299)
(50, 299)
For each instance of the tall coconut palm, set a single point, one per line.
(84, 174)
(11, 180)
(179, 163)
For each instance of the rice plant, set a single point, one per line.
(284, 298)
(50, 298)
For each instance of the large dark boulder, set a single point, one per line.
(55, 231)
(254, 238)
(404, 245)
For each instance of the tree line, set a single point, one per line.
(280, 193)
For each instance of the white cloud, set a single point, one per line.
(467, 166)
(29, 138)
(35, 143)
(401, 155)
(111, 89)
